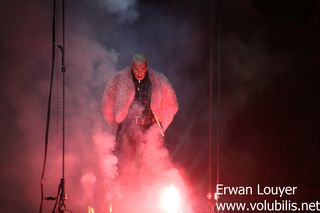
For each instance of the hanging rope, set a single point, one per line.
(60, 197)
(49, 104)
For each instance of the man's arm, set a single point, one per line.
(169, 105)
(109, 99)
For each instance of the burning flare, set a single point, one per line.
(171, 200)
(110, 207)
(90, 209)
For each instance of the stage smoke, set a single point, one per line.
(95, 43)
(125, 10)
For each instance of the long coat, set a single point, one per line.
(120, 91)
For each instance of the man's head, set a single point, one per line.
(139, 66)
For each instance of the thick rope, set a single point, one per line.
(48, 106)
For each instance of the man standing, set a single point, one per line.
(136, 100)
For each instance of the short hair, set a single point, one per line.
(139, 58)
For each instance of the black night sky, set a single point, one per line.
(265, 54)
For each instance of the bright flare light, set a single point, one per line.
(110, 207)
(90, 209)
(171, 200)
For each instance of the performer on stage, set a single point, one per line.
(138, 100)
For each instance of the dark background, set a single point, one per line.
(267, 60)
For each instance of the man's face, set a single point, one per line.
(139, 70)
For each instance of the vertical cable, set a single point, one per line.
(62, 205)
(215, 99)
(63, 87)
(210, 100)
(218, 106)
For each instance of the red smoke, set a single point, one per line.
(91, 172)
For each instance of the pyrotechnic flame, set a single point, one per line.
(110, 207)
(90, 209)
(171, 200)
